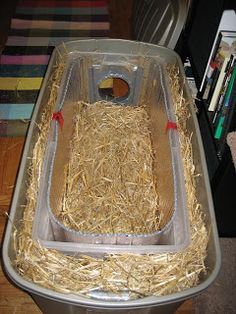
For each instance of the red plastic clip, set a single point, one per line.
(59, 118)
(171, 125)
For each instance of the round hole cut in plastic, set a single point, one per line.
(113, 88)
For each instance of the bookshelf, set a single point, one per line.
(218, 90)
(211, 49)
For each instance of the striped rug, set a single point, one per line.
(36, 28)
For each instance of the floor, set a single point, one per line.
(220, 297)
(12, 299)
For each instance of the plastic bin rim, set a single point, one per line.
(79, 300)
(76, 43)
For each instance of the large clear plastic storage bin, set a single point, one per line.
(56, 302)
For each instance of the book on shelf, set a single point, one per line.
(219, 84)
(223, 87)
(210, 83)
(222, 57)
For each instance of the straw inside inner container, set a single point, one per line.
(104, 173)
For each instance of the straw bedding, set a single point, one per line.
(140, 275)
(109, 183)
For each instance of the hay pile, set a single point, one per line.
(109, 182)
(140, 275)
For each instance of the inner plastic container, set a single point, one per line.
(147, 82)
